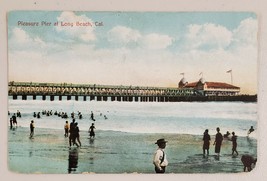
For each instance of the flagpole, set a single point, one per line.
(230, 71)
(231, 78)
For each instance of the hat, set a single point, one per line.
(161, 141)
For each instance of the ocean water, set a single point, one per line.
(142, 117)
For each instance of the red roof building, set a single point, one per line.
(210, 88)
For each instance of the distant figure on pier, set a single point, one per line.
(233, 139)
(105, 117)
(32, 129)
(34, 114)
(250, 130)
(91, 131)
(206, 144)
(66, 128)
(248, 162)
(218, 141)
(92, 116)
(226, 135)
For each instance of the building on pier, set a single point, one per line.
(205, 88)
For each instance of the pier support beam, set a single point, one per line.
(24, 97)
(84, 98)
(60, 97)
(99, 98)
(15, 97)
(118, 98)
(34, 97)
(44, 97)
(92, 98)
(105, 98)
(113, 98)
(52, 98)
(76, 98)
(68, 97)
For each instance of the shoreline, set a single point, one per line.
(118, 152)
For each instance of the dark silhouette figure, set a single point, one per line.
(72, 136)
(73, 160)
(234, 138)
(250, 130)
(91, 131)
(218, 141)
(248, 161)
(14, 119)
(206, 142)
(32, 129)
(11, 123)
(92, 116)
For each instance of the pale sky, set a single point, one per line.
(133, 48)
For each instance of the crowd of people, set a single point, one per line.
(72, 132)
(160, 161)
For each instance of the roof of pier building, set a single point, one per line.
(207, 85)
(212, 85)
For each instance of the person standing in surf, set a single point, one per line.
(66, 128)
(250, 130)
(206, 144)
(72, 134)
(77, 135)
(218, 141)
(32, 129)
(91, 131)
(234, 138)
(159, 160)
(92, 116)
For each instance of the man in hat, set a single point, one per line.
(159, 159)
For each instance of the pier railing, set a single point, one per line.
(113, 93)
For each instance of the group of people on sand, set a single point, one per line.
(218, 141)
(13, 119)
(73, 132)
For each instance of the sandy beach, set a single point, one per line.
(118, 152)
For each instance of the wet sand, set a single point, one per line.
(118, 152)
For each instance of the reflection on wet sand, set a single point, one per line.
(73, 160)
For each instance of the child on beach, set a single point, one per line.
(159, 159)
(66, 128)
(32, 129)
(91, 131)
(206, 144)
(218, 141)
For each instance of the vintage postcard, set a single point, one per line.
(132, 92)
